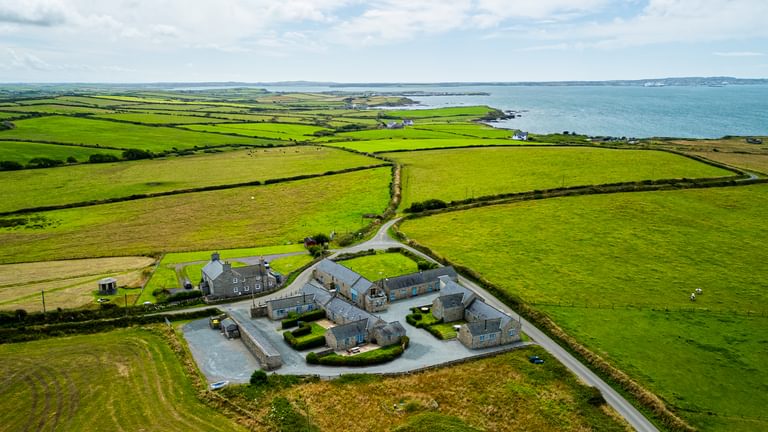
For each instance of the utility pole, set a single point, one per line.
(42, 294)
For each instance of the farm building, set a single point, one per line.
(415, 284)
(108, 286)
(280, 308)
(221, 280)
(351, 285)
(486, 326)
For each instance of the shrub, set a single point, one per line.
(417, 316)
(184, 295)
(102, 158)
(136, 154)
(258, 377)
(10, 166)
(312, 358)
(41, 162)
(312, 315)
(71, 160)
(304, 329)
(430, 204)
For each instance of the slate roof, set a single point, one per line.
(249, 272)
(107, 280)
(481, 327)
(321, 295)
(338, 271)
(451, 300)
(393, 329)
(484, 311)
(349, 330)
(340, 307)
(289, 302)
(450, 287)
(362, 286)
(213, 269)
(409, 280)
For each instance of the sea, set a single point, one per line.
(602, 110)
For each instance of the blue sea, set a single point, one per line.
(631, 111)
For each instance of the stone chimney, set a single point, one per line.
(215, 256)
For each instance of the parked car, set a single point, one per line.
(102, 300)
(535, 359)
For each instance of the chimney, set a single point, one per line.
(227, 266)
(215, 256)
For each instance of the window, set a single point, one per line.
(281, 312)
(415, 291)
(511, 332)
(234, 280)
(492, 336)
(310, 307)
(482, 338)
(236, 289)
(257, 286)
(247, 288)
(354, 296)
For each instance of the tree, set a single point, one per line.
(321, 238)
(71, 160)
(10, 166)
(136, 154)
(102, 158)
(41, 162)
(258, 377)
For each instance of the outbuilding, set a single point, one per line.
(108, 286)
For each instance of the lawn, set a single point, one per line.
(122, 380)
(647, 250)
(67, 284)
(89, 182)
(317, 330)
(22, 152)
(241, 217)
(95, 133)
(286, 265)
(405, 133)
(446, 329)
(502, 393)
(475, 130)
(381, 265)
(281, 131)
(379, 146)
(469, 173)
(225, 254)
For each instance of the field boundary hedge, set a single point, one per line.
(647, 399)
(189, 190)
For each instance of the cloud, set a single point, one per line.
(490, 13)
(739, 54)
(25, 61)
(44, 13)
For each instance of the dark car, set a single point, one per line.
(535, 359)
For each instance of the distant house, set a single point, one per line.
(520, 136)
(348, 335)
(221, 280)
(394, 125)
(351, 285)
(408, 122)
(108, 286)
(415, 284)
(280, 308)
(485, 325)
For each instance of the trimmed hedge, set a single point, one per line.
(313, 342)
(370, 358)
(312, 315)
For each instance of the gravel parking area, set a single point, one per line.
(217, 357)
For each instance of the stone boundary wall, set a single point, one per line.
(261, 348)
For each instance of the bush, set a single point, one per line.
(312, 358)
(102, 158)
(136, 154)
(10, 166)
(71, 160)
(312, 315)
(258, 377)
(41, 162)
(417, 316)
(430, 204)
(313, 342)
(184, 295)
(315, 250)
(304, 329)
(381, 355)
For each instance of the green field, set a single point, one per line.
(648, 250)
(22, 152)
(469, 173)
(281, 131)
(124, 380)
(35, 188)
(151, 118)
(381, 265)
(76, 130)
(186, 257)
(475, 111)
(285, 265)
(468, 129)
(408, 133)
(55, 109)
(379, 146)
(240, 217)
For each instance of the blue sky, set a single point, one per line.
(383, 41)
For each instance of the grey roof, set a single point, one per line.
(348, 311)
(290, 302)
(213, 269)
(484, 311)
(321, 295)
(348, 330)
(393, 329)
(450, 287)
(108, 280)
(226, 322)
(484, 326)
(451, 300)
(250, 271)
(362, 286)
(339, 272)
(409, 280)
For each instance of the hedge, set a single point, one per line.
(312, 315)
(370, 358)
(313, 342)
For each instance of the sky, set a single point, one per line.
(384, 41)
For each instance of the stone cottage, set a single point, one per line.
(351, 285)
(279, 309)
(221, 280)
(415, 284)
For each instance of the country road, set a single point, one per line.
(382, 240)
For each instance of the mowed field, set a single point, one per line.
(124, 380)
(67, 284)
(382, 265)
(55, 186)
(611, 254)
(470, 173)
(281, 131)
(239, 217)
(94, 133)
(388, 145)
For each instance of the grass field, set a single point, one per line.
(285, 265)
(88, 182)
(381, 134)
(475, 111)
(150, 118)
(469, 129)
(647, 250)
(124, 380)
(55, 109)
(22, 152)
(379, 146)
(248, 216)
(281, 131)
(90, 132)
(381, 265)
(67, 284)
(752, 162)
(466, 173)
(502, 393)
(186, 257)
